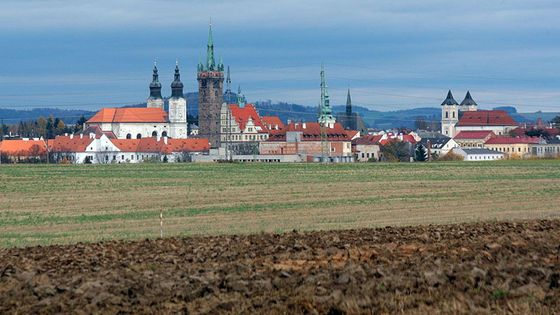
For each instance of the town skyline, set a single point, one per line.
(389, 57)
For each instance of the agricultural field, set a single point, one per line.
(473, 268)
(66, 204)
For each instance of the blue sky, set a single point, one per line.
(391, 54)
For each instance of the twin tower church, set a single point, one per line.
(154, 121)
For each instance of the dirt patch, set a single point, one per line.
(491, 268)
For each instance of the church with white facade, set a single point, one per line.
(151, 121)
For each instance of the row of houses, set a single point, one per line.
(99, 148)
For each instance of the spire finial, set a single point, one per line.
(348, 104)
(210, 62)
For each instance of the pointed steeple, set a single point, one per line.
(468, 101)
(326, 117)
(210, 62)
(155, 86)
(228, 81)
(449, 100)
(348, 104)
(177, 85)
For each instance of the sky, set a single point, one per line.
(391, 54)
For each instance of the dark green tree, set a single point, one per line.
(421, 154)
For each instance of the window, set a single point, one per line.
(453, 114)
(154, 134)
(138, 136)
(164, 134)
(122, 157)
(446, 114)
(128, 136)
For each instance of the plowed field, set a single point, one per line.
(472, 268)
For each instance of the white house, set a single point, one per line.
(478, 154)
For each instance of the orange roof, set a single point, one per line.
(516, 140)
(129, 115)
(23, 147)
(243, 114)
(482, 134)
(272, 121)
(351, 133)
(187, 145)
(486, 118)
(139, 145)
(392, 137)
(368, 139)
(68, 144)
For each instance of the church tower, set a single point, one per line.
(177, 108)
(325, 113)
(449, 115)
(155, 100)
(468, 104)
(210, 95)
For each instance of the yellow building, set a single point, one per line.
(520, 147)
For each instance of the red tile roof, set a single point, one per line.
(368, 140)
(23, 147)
(510, 140)
(351, 133)
(129, 115)
(486, 118)
(271, 121)
(68, 144)
(474, 134)
(243, 114)
(311, 131)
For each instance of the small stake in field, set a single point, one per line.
(161, 223)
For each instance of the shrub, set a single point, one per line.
(450, 156)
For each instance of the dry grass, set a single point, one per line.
(67, 203)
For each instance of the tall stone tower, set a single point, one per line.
(210, 95)
(325, 112)
(449, 115)
(155, 100)
(177, 108)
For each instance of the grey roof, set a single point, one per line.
(449, 100)
(435, 143)
(553, 141)
(468, 100)
(480, 151)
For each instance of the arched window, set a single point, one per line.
(163, 134)
(453, 114)
(446, 114)
(138, 136)
(154, 134)
(128, 136)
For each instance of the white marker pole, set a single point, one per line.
(161, 223)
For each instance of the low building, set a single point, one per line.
(518, 147)
(478, 154)
(473, 139)
(367, 148)
(23, 150)
(547, 148)
(309, 139)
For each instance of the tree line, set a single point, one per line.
(47, 128)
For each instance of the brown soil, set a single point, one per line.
(468, 268)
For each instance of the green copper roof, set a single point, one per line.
(325, 107)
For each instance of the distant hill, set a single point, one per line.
(286, 111)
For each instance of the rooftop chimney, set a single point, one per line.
(81, 135)
(304, 125)
(71, 136)
(165, 140)
(92, 135)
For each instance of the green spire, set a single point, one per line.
(326, 117)
(210, 62)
